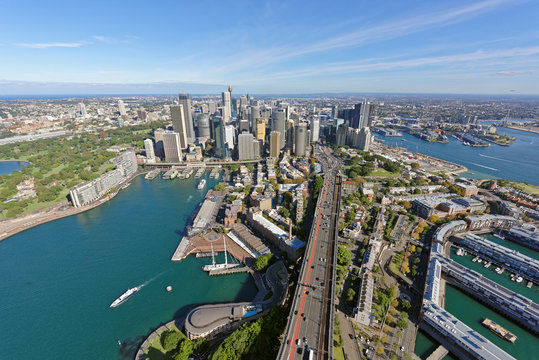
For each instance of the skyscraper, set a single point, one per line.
(185, 101)
(227, 106)
(230, 137)
(315, 129)
(150, 155)
(254, 113)
(203, 125)
(279, 124)
(363, 115)
(365, 139)
(81, 111)
(171, 143)
(246, 146)
(301, 139)
(142, 114)
(219, 137)
(261, 129)
(275, 144)
(121, 107)
(178, 124)
(290, 136)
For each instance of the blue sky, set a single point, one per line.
(485, 47)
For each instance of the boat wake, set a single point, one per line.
(152, 279)
(495, 158)
(486, 167)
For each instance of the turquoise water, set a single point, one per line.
(517, 162)
(59, 278)
(7, 167)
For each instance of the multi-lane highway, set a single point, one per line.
(309, 327)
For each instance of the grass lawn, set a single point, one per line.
(155, 350)
(383, 172)
(338, 353)
(530, 189)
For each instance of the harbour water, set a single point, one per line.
(7, 167)
(59, 278)
(483, 162)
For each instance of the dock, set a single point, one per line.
(439, 353)
(152, 174)
(181, 250)
(230, 271)
(204, 254)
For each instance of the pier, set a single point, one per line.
(439, 353)
(235, 270)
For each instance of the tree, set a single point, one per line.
(380, 350)
(390, 319)
(350, 295)
(343, 255)
(185, 349)
(434, 219)
(170, 340)
(405, 305)
(395, 303)
(284, 212)
(402, 323)
(219, 187)
(407, 205)
(262, 262)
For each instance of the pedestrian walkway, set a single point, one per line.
(438, 354)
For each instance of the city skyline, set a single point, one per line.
(480, 47)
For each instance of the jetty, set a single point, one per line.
(235, 270)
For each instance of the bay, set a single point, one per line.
(58, 279)
(518, 162)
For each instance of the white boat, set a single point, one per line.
(497, 270)
(475, 259)
(487, 265)
(215, 266)
(529, 285)
(460, 252)
(125, 296)
(201, 184)
(519, 279)
(498, 236)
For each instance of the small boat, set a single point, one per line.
(169, 288)
(125, 296)
(201, 184)
(475, 259)
(497, 270)
(480, 260)
(519, 279)
(501, 271)
(460, 252)
(498, 236)
(529, 285)
(487, 265)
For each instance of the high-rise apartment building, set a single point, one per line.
(365, 139)
(246, 146)
(121, 107)
(254, 113)
(363, 115)
(230, 137)
(150, 154)
(275, 144)
(261, 129)
(172, 146)
(179, 124)
(81, 111)
(185, 101)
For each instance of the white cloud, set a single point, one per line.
(50, 45)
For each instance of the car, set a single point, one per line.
(351, 336)
(298, 341)
(305, 340)
(288, 342)
(302, 314)
(402, 348)
(295, 312)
